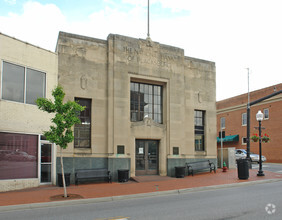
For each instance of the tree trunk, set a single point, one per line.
(63, 176)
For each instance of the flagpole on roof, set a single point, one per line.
(148, 33)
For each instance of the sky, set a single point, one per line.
(242, 37)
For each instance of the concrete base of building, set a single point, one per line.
(73, 163)
(178, 162)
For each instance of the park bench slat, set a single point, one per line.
(200, 165)
(88, 174)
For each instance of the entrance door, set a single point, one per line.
(46, 162)
(147, 157)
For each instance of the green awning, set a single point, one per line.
(229, 138)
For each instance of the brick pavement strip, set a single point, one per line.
(101, 192)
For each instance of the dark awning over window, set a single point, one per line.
(229, 138)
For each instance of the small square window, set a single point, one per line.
(223, 134)
(175, 150)
(244, 119)
(222, 122)
(266, 113)
(244, 140)
(120, 149)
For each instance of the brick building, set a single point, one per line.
(232, 115)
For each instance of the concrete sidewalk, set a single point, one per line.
(48, 196)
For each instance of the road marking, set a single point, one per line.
(279, 171)
(114, 218)
(257, 166)
(119, 218)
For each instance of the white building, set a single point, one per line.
(26, 72)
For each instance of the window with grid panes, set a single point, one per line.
(145, 101)
(82, 132)
(199, 121)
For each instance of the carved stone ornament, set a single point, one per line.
(199, 97)
(148, 122)
(83, 82)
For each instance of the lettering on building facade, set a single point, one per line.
(149, 55)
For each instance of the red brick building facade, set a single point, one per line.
(232, 114)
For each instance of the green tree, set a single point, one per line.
(66, 115)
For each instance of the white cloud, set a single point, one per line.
(38, 24)
(111, 20)
(138, 3)
(233, 33)
(11, 2)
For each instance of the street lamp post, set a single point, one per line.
(259, 117)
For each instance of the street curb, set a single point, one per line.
(230, 185)
(131, 196)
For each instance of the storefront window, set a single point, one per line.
(18, 156)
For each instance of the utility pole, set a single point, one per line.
(221, 145)
(248, 118)
(248, 85)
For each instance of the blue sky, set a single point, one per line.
(80, 10)
(235, 34)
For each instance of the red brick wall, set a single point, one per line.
(273, 126)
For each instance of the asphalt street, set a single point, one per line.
(259, 201)
(273, 167)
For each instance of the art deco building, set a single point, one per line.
(149, 107)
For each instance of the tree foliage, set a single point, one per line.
(66, 115)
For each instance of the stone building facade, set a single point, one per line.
(149, 107)
(233, 112)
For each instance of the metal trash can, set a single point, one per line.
(243, 169)
(123, 175)
(60, 180)
(179, 172)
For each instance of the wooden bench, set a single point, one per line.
(200, 165)
(91, 174)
